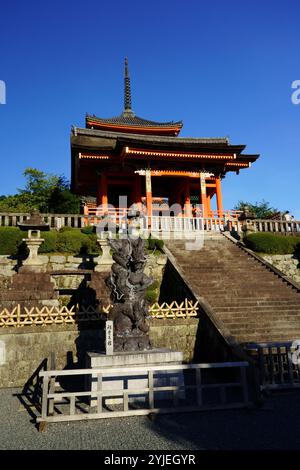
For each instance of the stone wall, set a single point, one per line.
(288, 264)
(178, 334)
(23, 350)
(60, 263)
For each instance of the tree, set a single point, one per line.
(262, 210)
(46, 192)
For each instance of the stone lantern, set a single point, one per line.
(247, 218)
(34, 225)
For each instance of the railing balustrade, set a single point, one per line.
(156, 223)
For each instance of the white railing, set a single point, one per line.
(156, 223)
(267, 225)
(190, 224)
(56, 221)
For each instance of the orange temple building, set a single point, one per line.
(147, 162)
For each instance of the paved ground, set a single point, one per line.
(275, 426)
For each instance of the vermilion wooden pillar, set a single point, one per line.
(203, 195)
(104, 188)
(187, 198)
(138, 191)
(99, 192)
(219, 197)
(208, 201)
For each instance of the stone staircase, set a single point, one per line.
(252, 302)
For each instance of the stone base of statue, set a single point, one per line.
(126, 360)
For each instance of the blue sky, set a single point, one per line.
(224, 67)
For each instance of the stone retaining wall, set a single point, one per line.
(8, 265)
(22, 350)
(288, 264)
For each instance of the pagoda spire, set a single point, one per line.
(127, 92)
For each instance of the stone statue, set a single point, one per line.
(128, 284)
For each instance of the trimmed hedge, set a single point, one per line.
(272, 244)
(49, 244)
(64, 241)
(154, 243)
(73, 242)
(10, 240)
(67, 240)
(88, 230)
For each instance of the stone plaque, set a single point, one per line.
(109, 340)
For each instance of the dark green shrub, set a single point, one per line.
(154, 285)
(154, 243)
(66, 229)
(10, 239)
(88, 230)
(94, 247)
(73, 242)
(151, 296)
(50, 241)
(272, 244)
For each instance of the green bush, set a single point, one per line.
(152, 296)
(50, 242)
(10, 239)
(272, 244)
(154, 243)
(88, 230)
(94, 247)
(73, 242)
(66, 229)
(67, 240)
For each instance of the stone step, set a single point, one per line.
(257, 308)
(234, 292)
(258, 317)
(226, 285)
(265, 331)
(254, 303)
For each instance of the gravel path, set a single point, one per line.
(275, 426)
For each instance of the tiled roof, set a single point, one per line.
(129, 119)
(151, 139)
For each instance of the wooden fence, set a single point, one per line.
(19, 317)
(276, 366)
(61, 405)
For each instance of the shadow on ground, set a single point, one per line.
(273, 426)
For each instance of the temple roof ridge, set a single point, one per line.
(127, 121)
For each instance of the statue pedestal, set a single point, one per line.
(158, 357)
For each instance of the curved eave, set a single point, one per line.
(150, 129)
